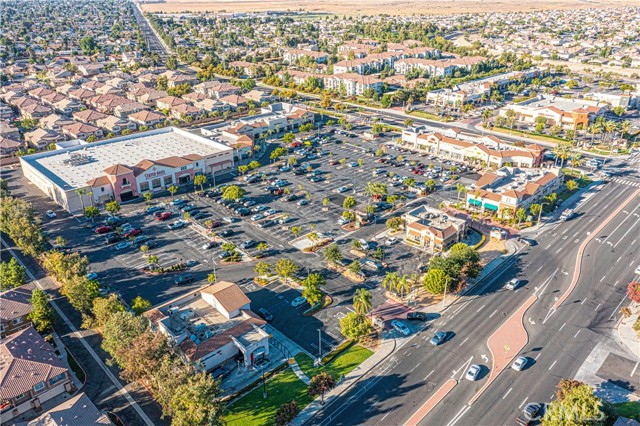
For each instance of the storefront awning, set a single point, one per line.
(475, 202)
(490, 207)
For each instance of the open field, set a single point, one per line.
(372, 7)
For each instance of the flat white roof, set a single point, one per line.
(73, 167)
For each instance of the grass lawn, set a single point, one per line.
(253, 410)
(428, 116)
(343, 364)
(630, 410)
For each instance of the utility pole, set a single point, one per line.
(319, 346)
(444, 298)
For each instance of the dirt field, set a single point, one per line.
(373, 7)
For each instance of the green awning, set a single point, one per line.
(475, 202)
(490, 207)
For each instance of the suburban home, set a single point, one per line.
(88, 116)
(31, 373)
(216, 89)
(8, 147)
(15, 307)
(147, 118)
(247, 68)
(258, 96)
(234, 101)
(510, 188)
(75, 411)
(81, 131)
(182, 111)
(212, 105)
(41, 138)
(169, 102)
(212, 325)
(115, 125)
(8, 130)
(432, 229)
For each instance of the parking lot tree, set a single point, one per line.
(291, 161)
(200, 180)
(101, 311)
(91, 212)
(435, 281)
(539, 127)
(375, 189)
(243, 169)
(349, 203)
(286, 413)
(288, 138)
(196, 402)
(144, 249)
(521, 214)
(355, 325)
(378, 253)
(331, 122)
(390, 281)
(228, 247)
(348, 126)
(379, 152)
(431, 185)
(313, 237)
(152, 260)
(285, 268)
(332, 254)
(277, 153)
(233, 192)
(41, 314)
(172, 190)
(633, 291)
(460, 188)
(392, 199)
(360, 162)
(326, 201)
(348, 215)
(395, 223)
(212, 278)
(356, 244)
(254, 165)
(362, 301)
(295, 230)
(312, 291)
(263, 269)
(408, 122)
(409, 182)
(113, 207)
(355, 267)
(60, 241)
(139, 305)
(400, 158)
(343, 161)
(578, 407)
(571, 185)
(467, 258)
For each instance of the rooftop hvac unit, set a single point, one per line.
(173, 310)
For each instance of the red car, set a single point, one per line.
(103, 229)
(215, 223)
(133, 232)
(296, 144)
(164, 216)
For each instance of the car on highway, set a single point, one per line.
(177, 224)
(637, 271)
(123, 245)
(151, 209)
(248, 244)
(183, 279)
(512, 284)
(520, 363)
(300, 300)
(103, 229)
(528, 241)
(473, 372)
(439, 338)
(417, 316)
(264, 314)
(132, 232)
(51, 214)
(530, 414)
(163, 216)
(400, 327)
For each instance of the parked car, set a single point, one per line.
(140, 239)
(92, 276)
(264, 314)
(300, 300)
(178, 202)
(520, 363)
(216, 223)
(303, 202)
(473, 372)
(243, 211)
(209, 245)
(51, 214)
(191, 263)
(391, 241)
(164, 216)
(226, 232)
(112, 238)
(230, 219)
(257, 217)
(177, 224)
(188, 208)
(123, 245)
(132, 232)
(400, 327)
(439, 338)
(103, 229)
(151, 209)
(342, 189)
(183, 279)
(417, 316)
(248, 244)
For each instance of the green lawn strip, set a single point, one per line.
(75, 367)
(549, 138)
(426, 115)
(341, 365)
(253, 410)
(630, 410)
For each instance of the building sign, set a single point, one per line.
(153, 175)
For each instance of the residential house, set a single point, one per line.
(234, 101)
(8, 130)
(75, 411)
(15, 307)
(115, 125)
(81, 131)
(54, 122)
(88, 116)
(292, 55)
(247, 68)
(9, 147)
(41, 138)
(352, 84)
(147, 118)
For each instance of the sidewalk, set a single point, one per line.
(387, 347)
(627, 334)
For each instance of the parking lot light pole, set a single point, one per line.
(264, 385)
(319, 346)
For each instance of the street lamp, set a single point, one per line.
(264, 384)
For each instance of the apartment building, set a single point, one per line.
(352, 84)
(292, 55)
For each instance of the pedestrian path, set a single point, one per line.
(296, 369)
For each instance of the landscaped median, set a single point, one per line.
(254, 410)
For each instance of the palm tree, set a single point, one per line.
(405, 284)
(576, 161)
(562, 151)
(362, 301)
(625, 126)
(609, 127)
(390, 281)
(594, 129)
(81, 192)
(460, 188)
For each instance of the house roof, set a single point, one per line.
(99, 181)
(76, 411)
(228, 294)
(15, 303)
(117, 169)
(26, 359)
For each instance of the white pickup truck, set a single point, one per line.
(566, 215)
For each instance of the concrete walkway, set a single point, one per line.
(296, 369)
(626, 332)
(387, 347)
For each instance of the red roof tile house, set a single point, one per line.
(211, 325)
(15, 308)
(76, 411)
(30, 373)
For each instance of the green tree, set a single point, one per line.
(579, 407)
(243, 169)
(286, 413)
(354, 325)
(320, 384)
(285, 268)
(60, 241)
(435, 281)
(172, 190)
(113, 207)
(355, 267)
(254, 165)
(619, 111)
(18, 220)
(534, 209)
(103, 308)
(41, 314)
(88, 45)
(139, 305)
(171, 63)
(326, 201)
(200, 180)
(295, 230)
(312, 291)
(233, 192)
(81, 292)
(362, 301)
(395, 223)
(263, 269)
(349, 203)
(196, 402)
(12, 274)
(288, 138)
(119, 331)
(147, 195)
(332, 254)
(91, 212)
(521, 214)
(571, 185)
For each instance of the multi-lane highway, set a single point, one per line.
(558, 341)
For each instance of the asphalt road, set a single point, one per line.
(394, 390)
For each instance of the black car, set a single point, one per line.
(528, 241)
(183, 279)
(264, 314)
(243, 211)
(226, 232)
(112, 238)
(298, 172)
(220, 373)
(290, 197)
(417, 316)
(529, 414)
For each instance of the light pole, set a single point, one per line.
(319, 346)
(444, 298)
(264, 384)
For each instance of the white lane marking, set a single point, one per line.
(459, 415)
(462, 368)
(634, 370)
(558, 251)
(617, 307)
(416, 366)
(522, 403)
(633, 242)
(602, 279)
(598, 306)
(494, 312)
(547, 247)
(537, 356)
(481, 307)
(562, 326)
(618, 259)
(508, 392)
(582, 303)
(538, 270)
(463, 342)
(625, 234)
(616, 283)
(554, 363)
(427, 376)
(620, 224)
(576, 335)
(385, 416)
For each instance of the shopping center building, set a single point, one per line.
(123, 168)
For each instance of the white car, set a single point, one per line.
(51, 214)
(400, 327)
(520, 363)
(257, 217)
(637, 271)
(259, 208)
(270, 212)
(391, 241)
(473, 372)
(300, 300)
(512, 284)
